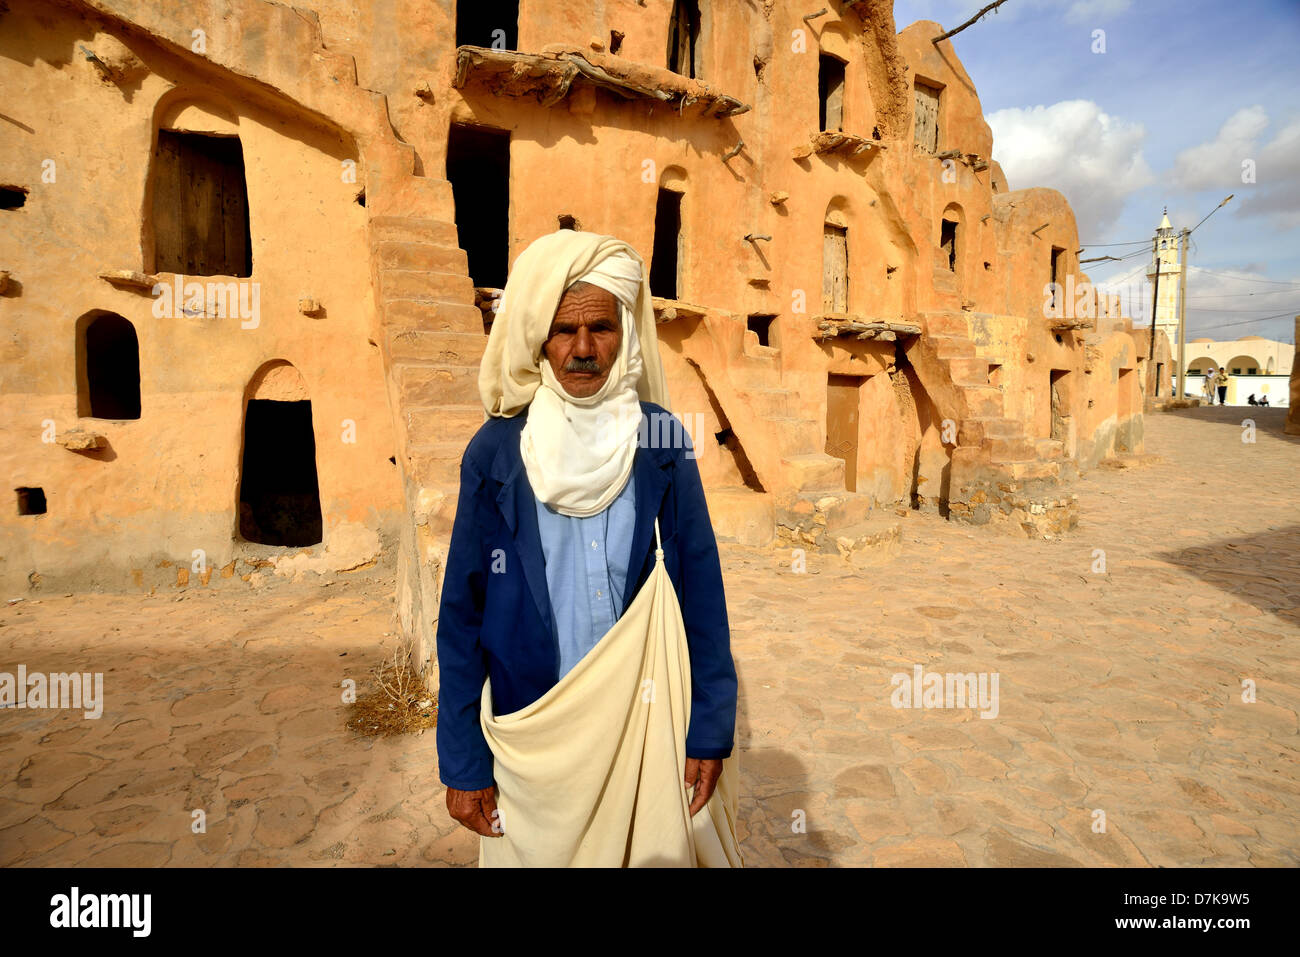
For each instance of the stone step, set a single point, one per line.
(791, 435)
(431, 316)
(421, 197)
(421, 384)
(974, 430)
(421, 256)
(755, 372)
(740, 515)
(951, 347)
(814, 470)
(969, 370)
(983, 401)
(442, 423)
(1029, 469)
(946, 324)
(755, 351)
(1010, 448)
(435, 464)
(768, 403)
(425, 286)
(945, 280)
(456, 348)
(409, 229)
(1050, 448)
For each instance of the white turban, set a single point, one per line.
(578, 451)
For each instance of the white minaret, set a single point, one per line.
(1166, 254)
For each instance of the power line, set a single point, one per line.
(1240, 312)
(1246, 322)
(1242, 295)
(1215, 272)
(1136, 242)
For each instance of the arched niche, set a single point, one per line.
(108, 366)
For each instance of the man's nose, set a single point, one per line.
(584, 343)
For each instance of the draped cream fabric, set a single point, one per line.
(577, 451)
(590, 774)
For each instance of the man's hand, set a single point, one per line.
(477, 810)
(703, 774)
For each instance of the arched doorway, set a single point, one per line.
(279, 494)
(1243, 365)
(108, 367)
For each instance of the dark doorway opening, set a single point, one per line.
(665, 264)
(948, 242)
(684, 38)
(1057, 296)
(761, 326)
(200, 206)
(478, 166)
(830, 92)
(111, 363)
(279, 496)
(488, 23)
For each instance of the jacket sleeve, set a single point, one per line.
(464, 758)
(712, 728)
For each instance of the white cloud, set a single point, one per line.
(1276, 190)
(1218, 162)
(1094, 158)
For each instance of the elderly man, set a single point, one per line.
(582, 693)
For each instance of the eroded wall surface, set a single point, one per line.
(861, 318)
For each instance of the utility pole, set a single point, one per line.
(1184, 251)
(1155, 299)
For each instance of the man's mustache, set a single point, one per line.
(582, 365)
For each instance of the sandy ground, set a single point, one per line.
(1121, 736)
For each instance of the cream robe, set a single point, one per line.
(590, 774)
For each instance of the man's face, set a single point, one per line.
(584, 339)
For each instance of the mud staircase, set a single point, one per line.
(999, 470)
(808, 505)
(1003, 441)
(430, 335)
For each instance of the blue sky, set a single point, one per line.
(1182, 95)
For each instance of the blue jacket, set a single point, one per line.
(499, 623)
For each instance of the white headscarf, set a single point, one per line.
(577, 451)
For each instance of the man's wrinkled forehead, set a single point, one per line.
(584, 302)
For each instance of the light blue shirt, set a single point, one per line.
(586, 571)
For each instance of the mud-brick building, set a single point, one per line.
(249, 252)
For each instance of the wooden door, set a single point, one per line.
(835, 269)
(927, 117)
(842, 411)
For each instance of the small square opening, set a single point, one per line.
(761, 326)
(12, 197)
(31, 501)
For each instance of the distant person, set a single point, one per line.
(1207, 387)
(1250, 399)
(1221, 380)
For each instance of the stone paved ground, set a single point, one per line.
(1119, 691)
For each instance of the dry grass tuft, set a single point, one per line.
(399, 703)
